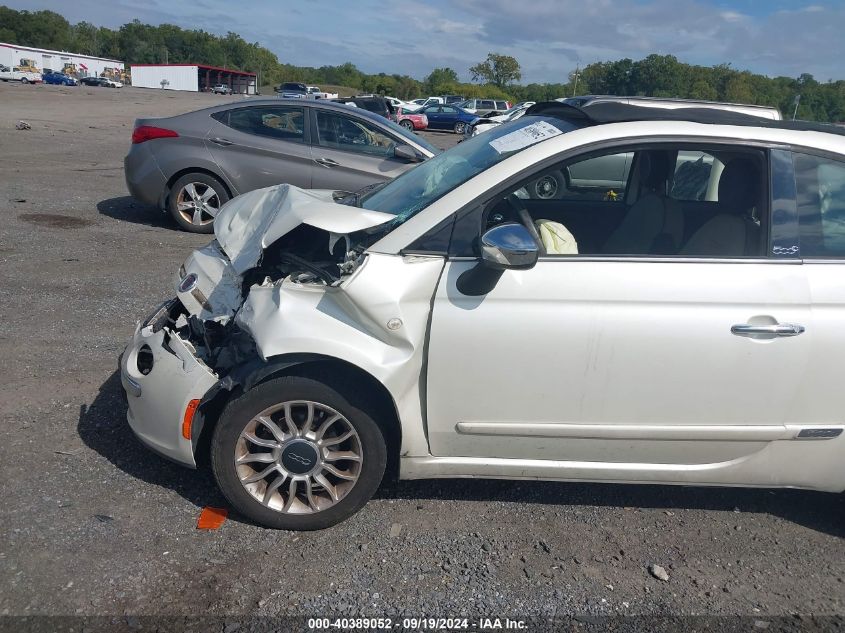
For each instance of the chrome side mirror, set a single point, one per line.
(509, 246)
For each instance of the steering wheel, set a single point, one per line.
(521, 211)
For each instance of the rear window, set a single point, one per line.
(296, 87)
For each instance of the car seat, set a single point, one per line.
(733, 231)
(653, 225)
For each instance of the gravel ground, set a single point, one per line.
(94, 524)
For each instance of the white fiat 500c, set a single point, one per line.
(615, 294)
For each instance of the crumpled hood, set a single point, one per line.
(249, 223)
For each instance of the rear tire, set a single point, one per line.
(195, 200)
(24, 80)
(300, 490)
(407, 124)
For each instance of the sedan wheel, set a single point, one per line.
(460, 126)
(195, 200)
(292, 453)
(407, 124)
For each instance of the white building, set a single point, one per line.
(193, 77)
(45, 59)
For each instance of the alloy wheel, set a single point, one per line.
(198, 203)
(298, 457)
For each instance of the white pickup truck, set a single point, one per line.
(14, 74)
(314, 92)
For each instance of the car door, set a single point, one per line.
(435, 118)
(635, 359)
(820, 185)
(448, 116)
(262, 145)
(352, 152)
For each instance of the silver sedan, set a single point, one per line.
(191, 164)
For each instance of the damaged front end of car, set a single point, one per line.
(218, 333)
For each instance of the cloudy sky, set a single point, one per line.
(548, 37)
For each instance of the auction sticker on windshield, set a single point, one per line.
(523, 137)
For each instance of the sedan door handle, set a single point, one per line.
(221, 141)
(767, 331)
(327, 162)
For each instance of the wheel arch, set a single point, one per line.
(165, 198)
(356, 384)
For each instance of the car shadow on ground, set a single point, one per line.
(103, 428)
(128, 209)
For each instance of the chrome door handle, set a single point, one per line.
(327, 162)
(777, 329)
(221, 141)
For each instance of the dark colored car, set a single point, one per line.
(447, 117)
(93, 81)
(375, 104)
(59, 79)
(191, 164)
(293, 90)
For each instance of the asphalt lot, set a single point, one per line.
(94, 524)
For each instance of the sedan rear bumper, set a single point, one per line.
(144, 179)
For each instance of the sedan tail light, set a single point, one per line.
(149, 132)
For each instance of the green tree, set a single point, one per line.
(499, 70)
(440, 80)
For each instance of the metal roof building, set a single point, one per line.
(87, 65)
(194, 77)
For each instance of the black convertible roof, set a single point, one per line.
(611, 112)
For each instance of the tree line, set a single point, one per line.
(493, 77)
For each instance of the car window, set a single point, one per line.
(820, 190)
(619, 203)
(600, 178)
(279, 122)
(338, 131)
(692, 175)
(488, 105)
(448, 110)
(501, 105)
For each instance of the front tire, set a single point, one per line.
(460, 127)
(24, 80)
(295, 454)
(195, 200)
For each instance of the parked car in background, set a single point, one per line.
(373, 103)
(489, 122)
(59, 79)
(446, 117)
(411, 120)
(765, 112)
(668, 338)
(408, 106)
(93, 81)
(316, 93)
(293, 90)
(108, 82)
(451, 99)
(13, 74)
(485, 106)
(191, 164)
(221, 89)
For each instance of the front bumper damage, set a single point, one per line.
(161, 375)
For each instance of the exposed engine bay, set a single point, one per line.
(263, 239)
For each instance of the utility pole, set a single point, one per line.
(576, 75)
(796, 101)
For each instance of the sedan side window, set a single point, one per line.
(279, 122)
(337, 131)
(820, 189)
